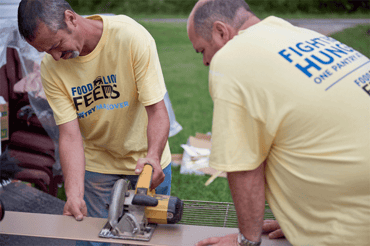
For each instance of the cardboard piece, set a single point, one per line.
(4, 109)
(66, 227)
(206, 137)
(199, 142)
(176, 159)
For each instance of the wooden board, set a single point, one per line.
(65, 227)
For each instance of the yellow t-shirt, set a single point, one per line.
(300, 101)
(107, 90)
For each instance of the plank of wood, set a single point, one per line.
(66, 227)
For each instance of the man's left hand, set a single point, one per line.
(272, 227)
(228, 240)
(158, 175)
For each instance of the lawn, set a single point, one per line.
(357, 38)
(187, 83)
(260, 13)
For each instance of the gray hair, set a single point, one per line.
(32, 12)
(218, 10)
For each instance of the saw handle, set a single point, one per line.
(145, 180)
(144, 200)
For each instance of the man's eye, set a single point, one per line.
(55, 47)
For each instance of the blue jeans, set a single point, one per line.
(98, 188)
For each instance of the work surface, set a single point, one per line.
(65, 229)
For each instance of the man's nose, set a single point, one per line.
(56, 55)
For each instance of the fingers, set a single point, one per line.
(76, 211)
(78, 215)
(84, 210)
(66, 212)
(139, 166)
(208, 241)
(228, 240)
(75, 208)
(276, 234)
(158, 175)
(270, 225)
(273, 227)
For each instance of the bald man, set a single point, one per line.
(290, 124)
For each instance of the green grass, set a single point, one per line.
(187, 83)
(191, 187)
(357, 38)
(260, 14)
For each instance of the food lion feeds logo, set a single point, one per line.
(103, 87)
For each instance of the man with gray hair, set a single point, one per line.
(104, 82)
(290, 125)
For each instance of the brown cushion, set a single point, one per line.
(39, 178)
(33, 141)
(32, 174)
(23, 159)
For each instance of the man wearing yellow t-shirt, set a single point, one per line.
(103, 80)
(290, 124)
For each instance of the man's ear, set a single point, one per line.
(70, 18)
(221, 32)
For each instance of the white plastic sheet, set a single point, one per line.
(29, 56)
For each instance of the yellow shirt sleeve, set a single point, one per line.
(239, 141)
(147, 69)
(58, 98)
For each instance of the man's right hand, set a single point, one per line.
(75, 207)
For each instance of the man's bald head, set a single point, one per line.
(206, 12)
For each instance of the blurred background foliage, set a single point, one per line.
(185, 6)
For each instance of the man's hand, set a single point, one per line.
(228, 240)
(75, 207)
(272, 227)
(158, 175)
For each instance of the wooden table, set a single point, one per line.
(58, 227)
